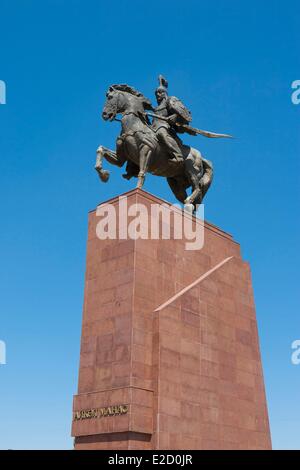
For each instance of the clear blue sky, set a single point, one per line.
(232, 62)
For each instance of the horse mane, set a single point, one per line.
(129, 89)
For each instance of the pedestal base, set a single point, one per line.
(169, 350)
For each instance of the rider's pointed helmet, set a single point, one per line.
(163, 84)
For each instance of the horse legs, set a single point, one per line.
(111, 156)
(145, 154)
(178, 186)
(193, 173)
(131, 170)
(205, 180)
(207, 176)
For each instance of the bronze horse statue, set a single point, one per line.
(138, 145)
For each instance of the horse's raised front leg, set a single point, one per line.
(145, 155)
(111, 157)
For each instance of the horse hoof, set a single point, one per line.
(189, 208)
(103, 175)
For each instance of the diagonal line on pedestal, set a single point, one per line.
(193, 284)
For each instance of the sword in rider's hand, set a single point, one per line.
(192, 130)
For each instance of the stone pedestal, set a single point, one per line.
(169, 349)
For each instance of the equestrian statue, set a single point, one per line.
(149, 142)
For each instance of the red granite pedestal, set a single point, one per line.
(169, 349)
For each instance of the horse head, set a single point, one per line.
(121, 99)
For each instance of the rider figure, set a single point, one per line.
(175, 112)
